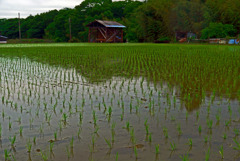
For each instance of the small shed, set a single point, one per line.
(3, 39)
(105, 31)
(182, 36)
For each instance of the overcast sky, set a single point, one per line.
(10, 8)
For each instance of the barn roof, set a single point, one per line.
(110, 24)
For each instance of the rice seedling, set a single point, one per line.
(199, 128)
(184, 157)
(209, 124)
(64, 117)
(237, 147)
(116, 157)
(157, 149)
(7, 155)
(208, 109)
(34, 140)
(108, 143)
(135, 152)
(10, 125)
(93, 140)
(227, 123)
(94, 118)
(150, 137)
(3, 114)
(0, 130)
(12, 140)
(165, 132)
(146, 128)
(221, 151)
(132, 134)
(79, 86)
(190, 142)
(71, 142)
(205, 139)
(236, 131)
(173, 146)
(44, 156)
(146, 122)
(55, 135)
(197, 115)
(218, 117)
(207, 155)
(51, 146)
(224, 136)
(186, 115)
(29, 146)
(179, 130)
(173, 118)
(113, 136)
(127, 125)
(19, 120)
(41, 129)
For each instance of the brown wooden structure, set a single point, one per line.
(105, 31)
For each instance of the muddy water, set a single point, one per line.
(37, 94)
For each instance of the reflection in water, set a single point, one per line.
(196, 72)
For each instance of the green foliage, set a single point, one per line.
(218, 30)
(149, 21)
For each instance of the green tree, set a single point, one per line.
(218, 30)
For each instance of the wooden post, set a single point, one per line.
(89, 34)
(19, 27)
(122, 36)
(70, 29)
(106, 34)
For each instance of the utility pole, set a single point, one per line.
(70, 29)
(19, 25)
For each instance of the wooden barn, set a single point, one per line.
(105, 31)
(3, 39)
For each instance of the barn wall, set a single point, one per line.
(112, 35)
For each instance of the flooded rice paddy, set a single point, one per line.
(119, 102)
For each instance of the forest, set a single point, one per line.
(146, 21)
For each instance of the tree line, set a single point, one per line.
(146, 21)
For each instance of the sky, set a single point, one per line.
(11, 8)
